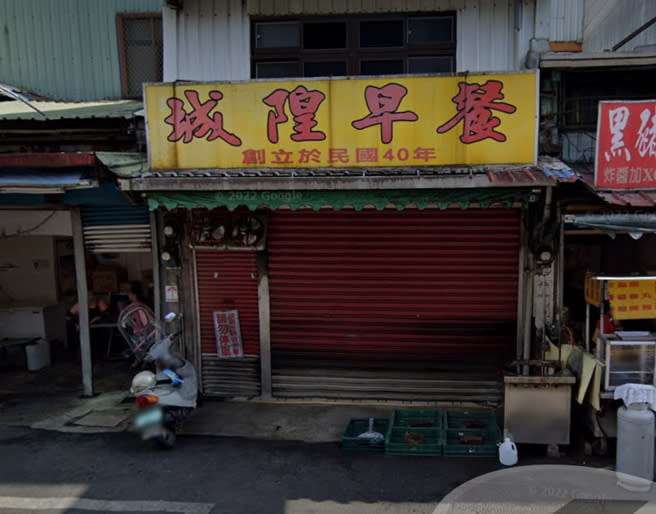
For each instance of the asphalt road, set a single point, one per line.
(56, 472)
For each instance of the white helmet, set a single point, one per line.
(142, 381)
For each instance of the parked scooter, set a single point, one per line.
(165, 397)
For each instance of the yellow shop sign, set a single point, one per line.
(306, 123)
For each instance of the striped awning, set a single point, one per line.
(111, 229)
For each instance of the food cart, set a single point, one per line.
(618, 358)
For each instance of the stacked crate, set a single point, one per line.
(429, 432)
(415, 432)
(470, 432)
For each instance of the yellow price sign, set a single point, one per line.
(592, 290)
(632, 299)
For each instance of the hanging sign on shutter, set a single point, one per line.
(228, 334)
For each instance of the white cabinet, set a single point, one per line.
(22, 322)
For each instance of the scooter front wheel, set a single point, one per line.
(166, 440)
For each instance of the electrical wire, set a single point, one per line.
(9, 297)
(27, 231)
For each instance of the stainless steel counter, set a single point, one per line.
(537, 409)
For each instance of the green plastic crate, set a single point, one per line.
(461, 423)
(398, 441)
(470, 419)
(417, 418)
(357, 426)
(455, 447)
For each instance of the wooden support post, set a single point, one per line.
(83, 302)
(265, 324)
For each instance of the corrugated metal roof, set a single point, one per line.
(496, 174)
(68, 110)
(629, 198)
(220, 25)
(66, 49)
(548, 171)
(124, 164)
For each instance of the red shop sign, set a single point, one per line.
(626, 145)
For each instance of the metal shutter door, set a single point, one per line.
(227, 280)
(394, 305)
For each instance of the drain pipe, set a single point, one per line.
(528, 308)
(530, 289)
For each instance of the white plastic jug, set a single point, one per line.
(508, 453)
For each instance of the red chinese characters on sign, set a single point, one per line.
(336, 155)
(475, 103)
(383, 104)
(626, 145)
(303, 105)
(282, 157)
(254, 156)
(424, 154)
(306, 156)
(227, 331)
(366, 155)
(199, 122)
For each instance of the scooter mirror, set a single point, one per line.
(171, 316)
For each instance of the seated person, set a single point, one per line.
(102, 313)
(610, 325)
(74, 312)
(99, 314)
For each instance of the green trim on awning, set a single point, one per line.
(357, 199)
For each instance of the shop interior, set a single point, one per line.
(618, 254)
(39, 328)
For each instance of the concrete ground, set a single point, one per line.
(51, 399)
(238, 456)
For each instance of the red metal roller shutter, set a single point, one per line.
(386, 295)
(227, 280)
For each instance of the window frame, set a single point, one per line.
(122, 48)
(353, 54)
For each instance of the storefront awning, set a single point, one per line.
(626, 198)
(634, 224)
(124, 164)
(358, 200)
(547, 173)
(43, 181)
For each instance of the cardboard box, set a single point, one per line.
(147, 277)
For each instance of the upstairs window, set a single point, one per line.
(141, 51)
(353, 45)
